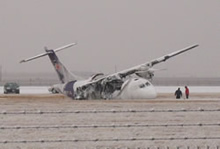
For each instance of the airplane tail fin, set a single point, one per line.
(63, 73)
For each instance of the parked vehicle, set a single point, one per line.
(11, 87)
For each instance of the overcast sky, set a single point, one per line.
(109, 33)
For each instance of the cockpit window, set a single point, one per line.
(142, 85)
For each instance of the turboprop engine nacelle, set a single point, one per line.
(145, 74)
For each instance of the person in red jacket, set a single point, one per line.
(187, 92)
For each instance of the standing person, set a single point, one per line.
(187, 92)
(178, 93)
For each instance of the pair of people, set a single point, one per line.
(178, 93)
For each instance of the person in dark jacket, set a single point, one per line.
(187, 92)
(178, 93)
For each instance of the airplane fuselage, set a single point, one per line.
(132, 88)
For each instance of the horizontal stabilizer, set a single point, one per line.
(47, 52)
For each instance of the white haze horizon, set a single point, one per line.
(159, 89)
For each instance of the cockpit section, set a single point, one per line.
(138, 88)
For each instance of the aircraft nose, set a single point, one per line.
(147, 93)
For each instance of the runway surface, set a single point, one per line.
(54, 121)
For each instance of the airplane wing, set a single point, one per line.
(46, 53)
(164, 58)
(145, 67)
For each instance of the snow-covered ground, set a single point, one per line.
(159, 89)
(58, 123)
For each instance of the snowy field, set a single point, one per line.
(159, 89)
(61, 123)
(39, 120)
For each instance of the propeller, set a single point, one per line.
(147, 74)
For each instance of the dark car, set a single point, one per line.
(11, 88)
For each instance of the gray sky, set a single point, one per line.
(110, 33)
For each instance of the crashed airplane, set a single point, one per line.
(132, 83)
